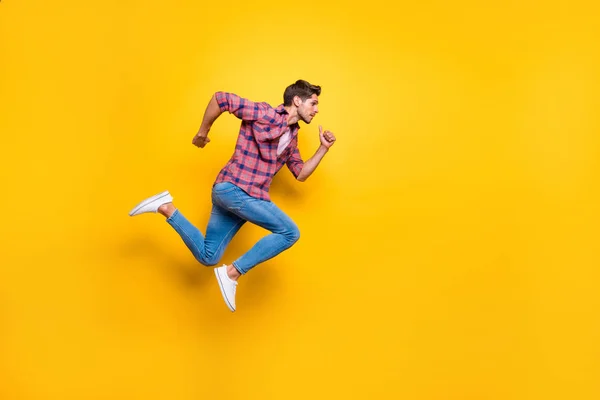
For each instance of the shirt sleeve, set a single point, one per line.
(295, 163)
(242, 108)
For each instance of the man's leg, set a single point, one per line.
(266, 215)
(222, 227)
(262, 213)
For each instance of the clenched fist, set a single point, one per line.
(200, 140)
(327, 137)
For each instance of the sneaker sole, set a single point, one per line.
(223, 291)
(148, 201)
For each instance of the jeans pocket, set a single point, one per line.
(227, 196)
(223, 187)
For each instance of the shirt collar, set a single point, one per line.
(281, 110)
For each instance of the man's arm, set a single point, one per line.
(211, 113)
(242, 108)
(327, 140)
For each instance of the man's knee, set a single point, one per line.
(292, 233)
(208, 260)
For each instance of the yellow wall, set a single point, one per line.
(449, 243)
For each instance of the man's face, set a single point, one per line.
(308, 108)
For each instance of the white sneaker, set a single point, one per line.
(227, 286)
(151, 204)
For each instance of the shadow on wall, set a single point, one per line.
(196, 278)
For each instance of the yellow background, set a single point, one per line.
(449, 240)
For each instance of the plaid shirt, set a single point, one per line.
(255, 160)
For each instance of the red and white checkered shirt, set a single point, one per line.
(255, 160)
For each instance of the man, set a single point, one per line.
(268, 139)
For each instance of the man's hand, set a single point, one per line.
(327, 138)
(201, 140)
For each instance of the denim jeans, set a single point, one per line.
(232, 207)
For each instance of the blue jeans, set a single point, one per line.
(232, 207)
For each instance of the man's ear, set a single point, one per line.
(297, 101)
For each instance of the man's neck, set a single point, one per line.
(292, 115)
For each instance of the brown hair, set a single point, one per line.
(300, 88)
